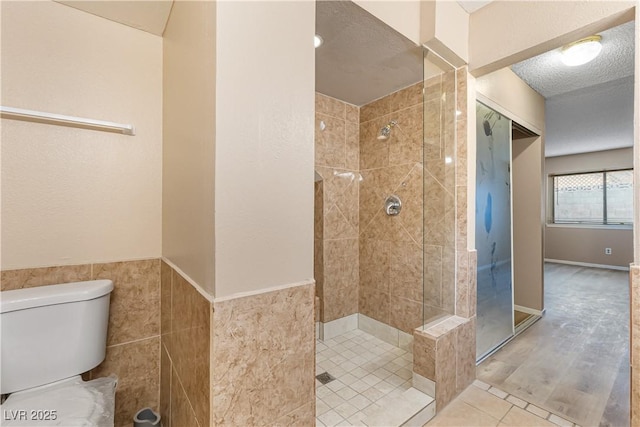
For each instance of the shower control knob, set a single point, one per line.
(393, 205)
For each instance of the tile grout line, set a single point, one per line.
(549, 413)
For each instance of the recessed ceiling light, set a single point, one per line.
(317, 41)
(581, 51)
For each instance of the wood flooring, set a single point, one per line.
(575, 360)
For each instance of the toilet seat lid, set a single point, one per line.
(68, 403)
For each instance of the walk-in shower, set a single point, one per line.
(385, 246)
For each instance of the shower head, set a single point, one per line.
(486, 123)
(487, 128)
(385, 132)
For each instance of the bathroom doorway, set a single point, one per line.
(574, 362)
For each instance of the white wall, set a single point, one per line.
(402, 16)
(636, 149)
(264, 145)
(189, 75)
(444, 28)
(72, 195)
(509, 92)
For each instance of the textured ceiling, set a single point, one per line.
(472, 5)
(589, 107)
(362, 59)
(591, 119)
(547, 75)
(149, 16)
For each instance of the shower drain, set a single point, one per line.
(325, 378)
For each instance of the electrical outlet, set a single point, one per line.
(607, 251)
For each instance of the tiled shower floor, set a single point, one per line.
(369, 374)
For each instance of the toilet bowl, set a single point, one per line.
(70, 402)
(50, 335)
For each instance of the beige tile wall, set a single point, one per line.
(133, 346)
(440, 195)
(318, 244)
(390, 248)
(445, 354)
(336, 248)
(185, 356)
(263, 359)
(466, 290)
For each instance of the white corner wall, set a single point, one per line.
(402, 16)
(70, 195)
(189, 75)
(264, 145)
(444, 28)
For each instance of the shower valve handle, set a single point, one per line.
(393, 205)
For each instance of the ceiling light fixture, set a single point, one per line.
(317, 41)
(581, 51)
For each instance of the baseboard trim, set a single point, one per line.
(333, 328)
(587, 264)
(529, 310)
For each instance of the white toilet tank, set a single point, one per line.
(50, 333)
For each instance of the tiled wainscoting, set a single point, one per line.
(185, 325)
(133, 342)
(250, 361)
(262, 358)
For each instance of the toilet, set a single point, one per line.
(49, 336)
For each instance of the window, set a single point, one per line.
(593, 198)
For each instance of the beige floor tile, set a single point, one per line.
(459, 413)
(486, 402)
(517, 417)
(560, 421)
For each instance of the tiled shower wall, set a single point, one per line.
(466, 260)
(391, 249)
(440, 193)
(336, 161)
(133, 342)
(185, 352)
(445, 353)
(369, 262)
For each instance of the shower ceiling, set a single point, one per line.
(362, 59)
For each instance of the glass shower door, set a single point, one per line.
(493, 230)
